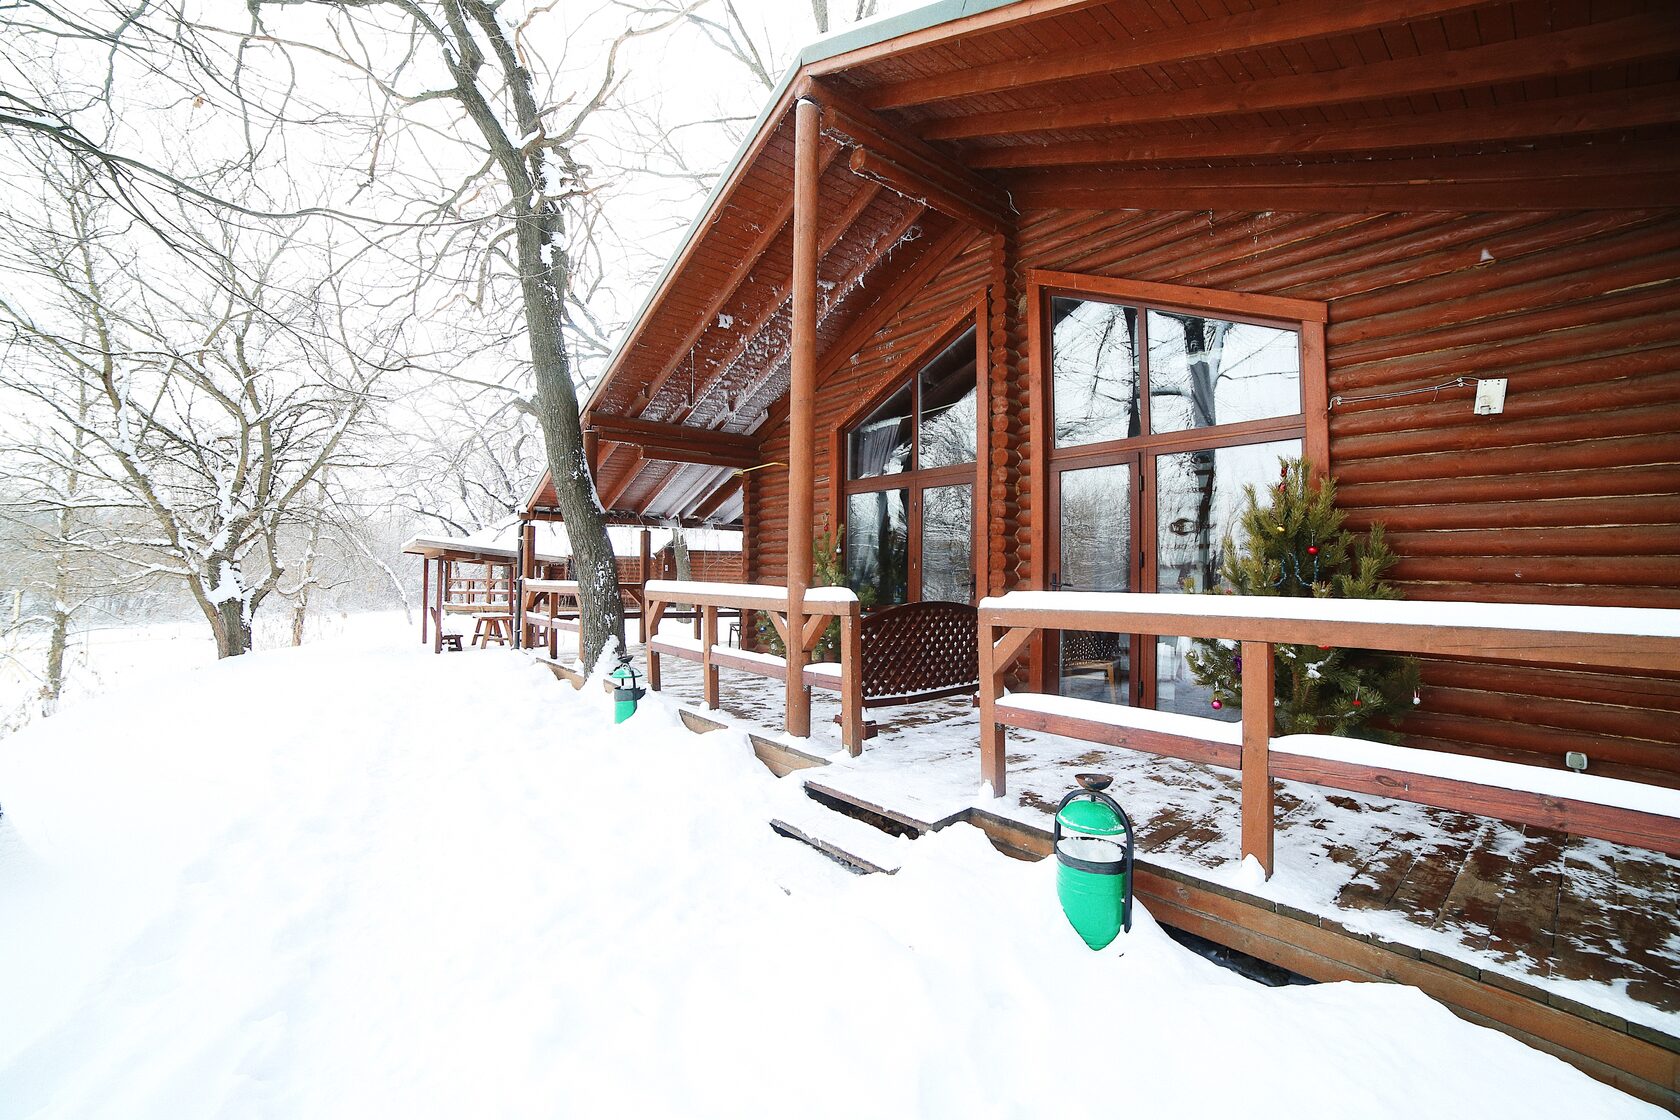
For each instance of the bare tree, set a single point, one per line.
(197, 417)
(462, 72)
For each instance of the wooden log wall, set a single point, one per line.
(1572, 495)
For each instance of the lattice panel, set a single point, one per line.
(919, 649)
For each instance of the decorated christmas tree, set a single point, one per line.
(1293, 544)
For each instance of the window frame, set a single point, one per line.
(918, 478)
(1307, 318)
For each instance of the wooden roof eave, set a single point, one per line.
(906, 30)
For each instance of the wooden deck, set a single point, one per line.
(1570, 944)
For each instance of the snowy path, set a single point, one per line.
(356, 880)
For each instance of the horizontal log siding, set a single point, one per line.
(841, 391)
(1571, 496)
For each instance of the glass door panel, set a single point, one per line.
(878, 546)
(948, 544)
(1096, 547)
(1199, 500)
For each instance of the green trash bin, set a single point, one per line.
(1092, 837)
(627, 691)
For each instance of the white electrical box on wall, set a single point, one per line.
(1490, 396)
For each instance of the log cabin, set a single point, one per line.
(1020, 296)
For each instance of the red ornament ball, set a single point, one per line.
(1312, 550)
(1323, 647)
(1218, 704)
(1358, 703)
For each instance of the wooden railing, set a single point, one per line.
(821, 605)
(1587, 805)
(549, 605)
(477, 592)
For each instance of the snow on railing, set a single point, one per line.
(801, 632)
(1612, 637)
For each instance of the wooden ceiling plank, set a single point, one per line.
(731, 484)
(1564, 116)
(981, 23)
(1613, 43)
(784, 291)
(1272, 27)
(615, 491)
(1587, 192)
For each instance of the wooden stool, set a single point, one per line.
(491, 628)
(452, 641)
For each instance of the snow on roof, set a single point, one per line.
(502, 541)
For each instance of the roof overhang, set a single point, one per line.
(942, 123)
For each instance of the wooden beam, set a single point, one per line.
(1628, 159)
(1611, 111)
(906, 182)
(1297, 22)
(1619, 42)
(425, 595)
(625, 429)
(858, 127)
(700, 455)
(802, 405)
(719, 496)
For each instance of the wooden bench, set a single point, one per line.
(912, 652)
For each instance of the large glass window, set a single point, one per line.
(878, 546)
(1205, 371)
(948, 543)
(1148, 470)
(1094, 370)
(949, 432)
(881, 445)
(910, 485)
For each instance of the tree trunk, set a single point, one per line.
(679, 550)
(232, 625)
(544, 276)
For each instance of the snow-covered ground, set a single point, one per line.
(355, 879)
(100, 657)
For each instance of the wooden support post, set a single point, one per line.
(425, 595)
(437, 595)
(553, 630)
(1259, 687)
(991, 735)
(641, 585)
(592, 450)
(851, 682)
(801, 417)
(708, 671)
